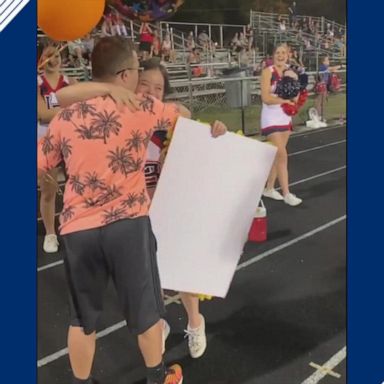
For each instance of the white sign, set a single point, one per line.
(204, 205)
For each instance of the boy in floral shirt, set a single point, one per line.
(104, 222)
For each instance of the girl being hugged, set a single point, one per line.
(276, 125)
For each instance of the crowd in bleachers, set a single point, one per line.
(309, 33)
(200, 47)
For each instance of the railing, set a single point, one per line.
(220, 33)
(201, 93)
(266, 25)
(321, 21)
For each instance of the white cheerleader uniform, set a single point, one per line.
(273, 118)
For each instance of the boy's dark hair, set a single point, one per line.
(153, 64)
(110, 55)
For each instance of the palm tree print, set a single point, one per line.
(135, 142)
(163, 125)
(147, 138)
(65, 147)
(142, 198)
(76, 185)
(120, 160)
(105, 123)
(47, 145)
(131, 200)
(113, 214)
(135, 165)
(67, 213)
(89, 202)
(93, 182)
(147, 105)
(111, 193)
(65, 114)
(85, 133)
(83, 109)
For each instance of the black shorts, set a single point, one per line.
(145, 46)
(126, 251)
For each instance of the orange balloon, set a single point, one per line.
(64, 20)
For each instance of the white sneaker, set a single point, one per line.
(292, 200)
(197, 341)
(51, 245)
(273, 194)
(166, 330)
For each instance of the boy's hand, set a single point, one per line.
(218, 128)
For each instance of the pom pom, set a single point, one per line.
(203, 297)
(287, 88)
(289, 109)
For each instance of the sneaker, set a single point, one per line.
(197, 340)
(166, 330)
(273, 194)
(292, 200)
(174, 375)
(51, 245)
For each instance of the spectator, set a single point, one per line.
(324, 71)
(194, 56)
(156, 45)
(243, 58)
(203, 39)
(236, 43)
(76, 51)
(166, 49)
(118, 25)
(292, 13)
(107, 26)
(191, 41)
(193, 59)
(146, 40)
(282, 29)
(295, 59)
(249, 37)
(88, 45)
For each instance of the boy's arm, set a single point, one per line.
(49, 148)
(88, 90)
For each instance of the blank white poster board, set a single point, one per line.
(204, 205)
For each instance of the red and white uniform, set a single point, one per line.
(152, 164)
(152, 167)
(273, 118)
(48, 94)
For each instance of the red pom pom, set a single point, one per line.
(302, 98)
(289, 109)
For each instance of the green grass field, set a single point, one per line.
(334, 108)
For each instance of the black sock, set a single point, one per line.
(80, 381)
(156, 375)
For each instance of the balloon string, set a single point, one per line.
(42, 64)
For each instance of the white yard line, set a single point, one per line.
(324, 370)
(316, 148)
(289, 243)
(312, 131)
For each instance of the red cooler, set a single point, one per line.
(258, 231)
